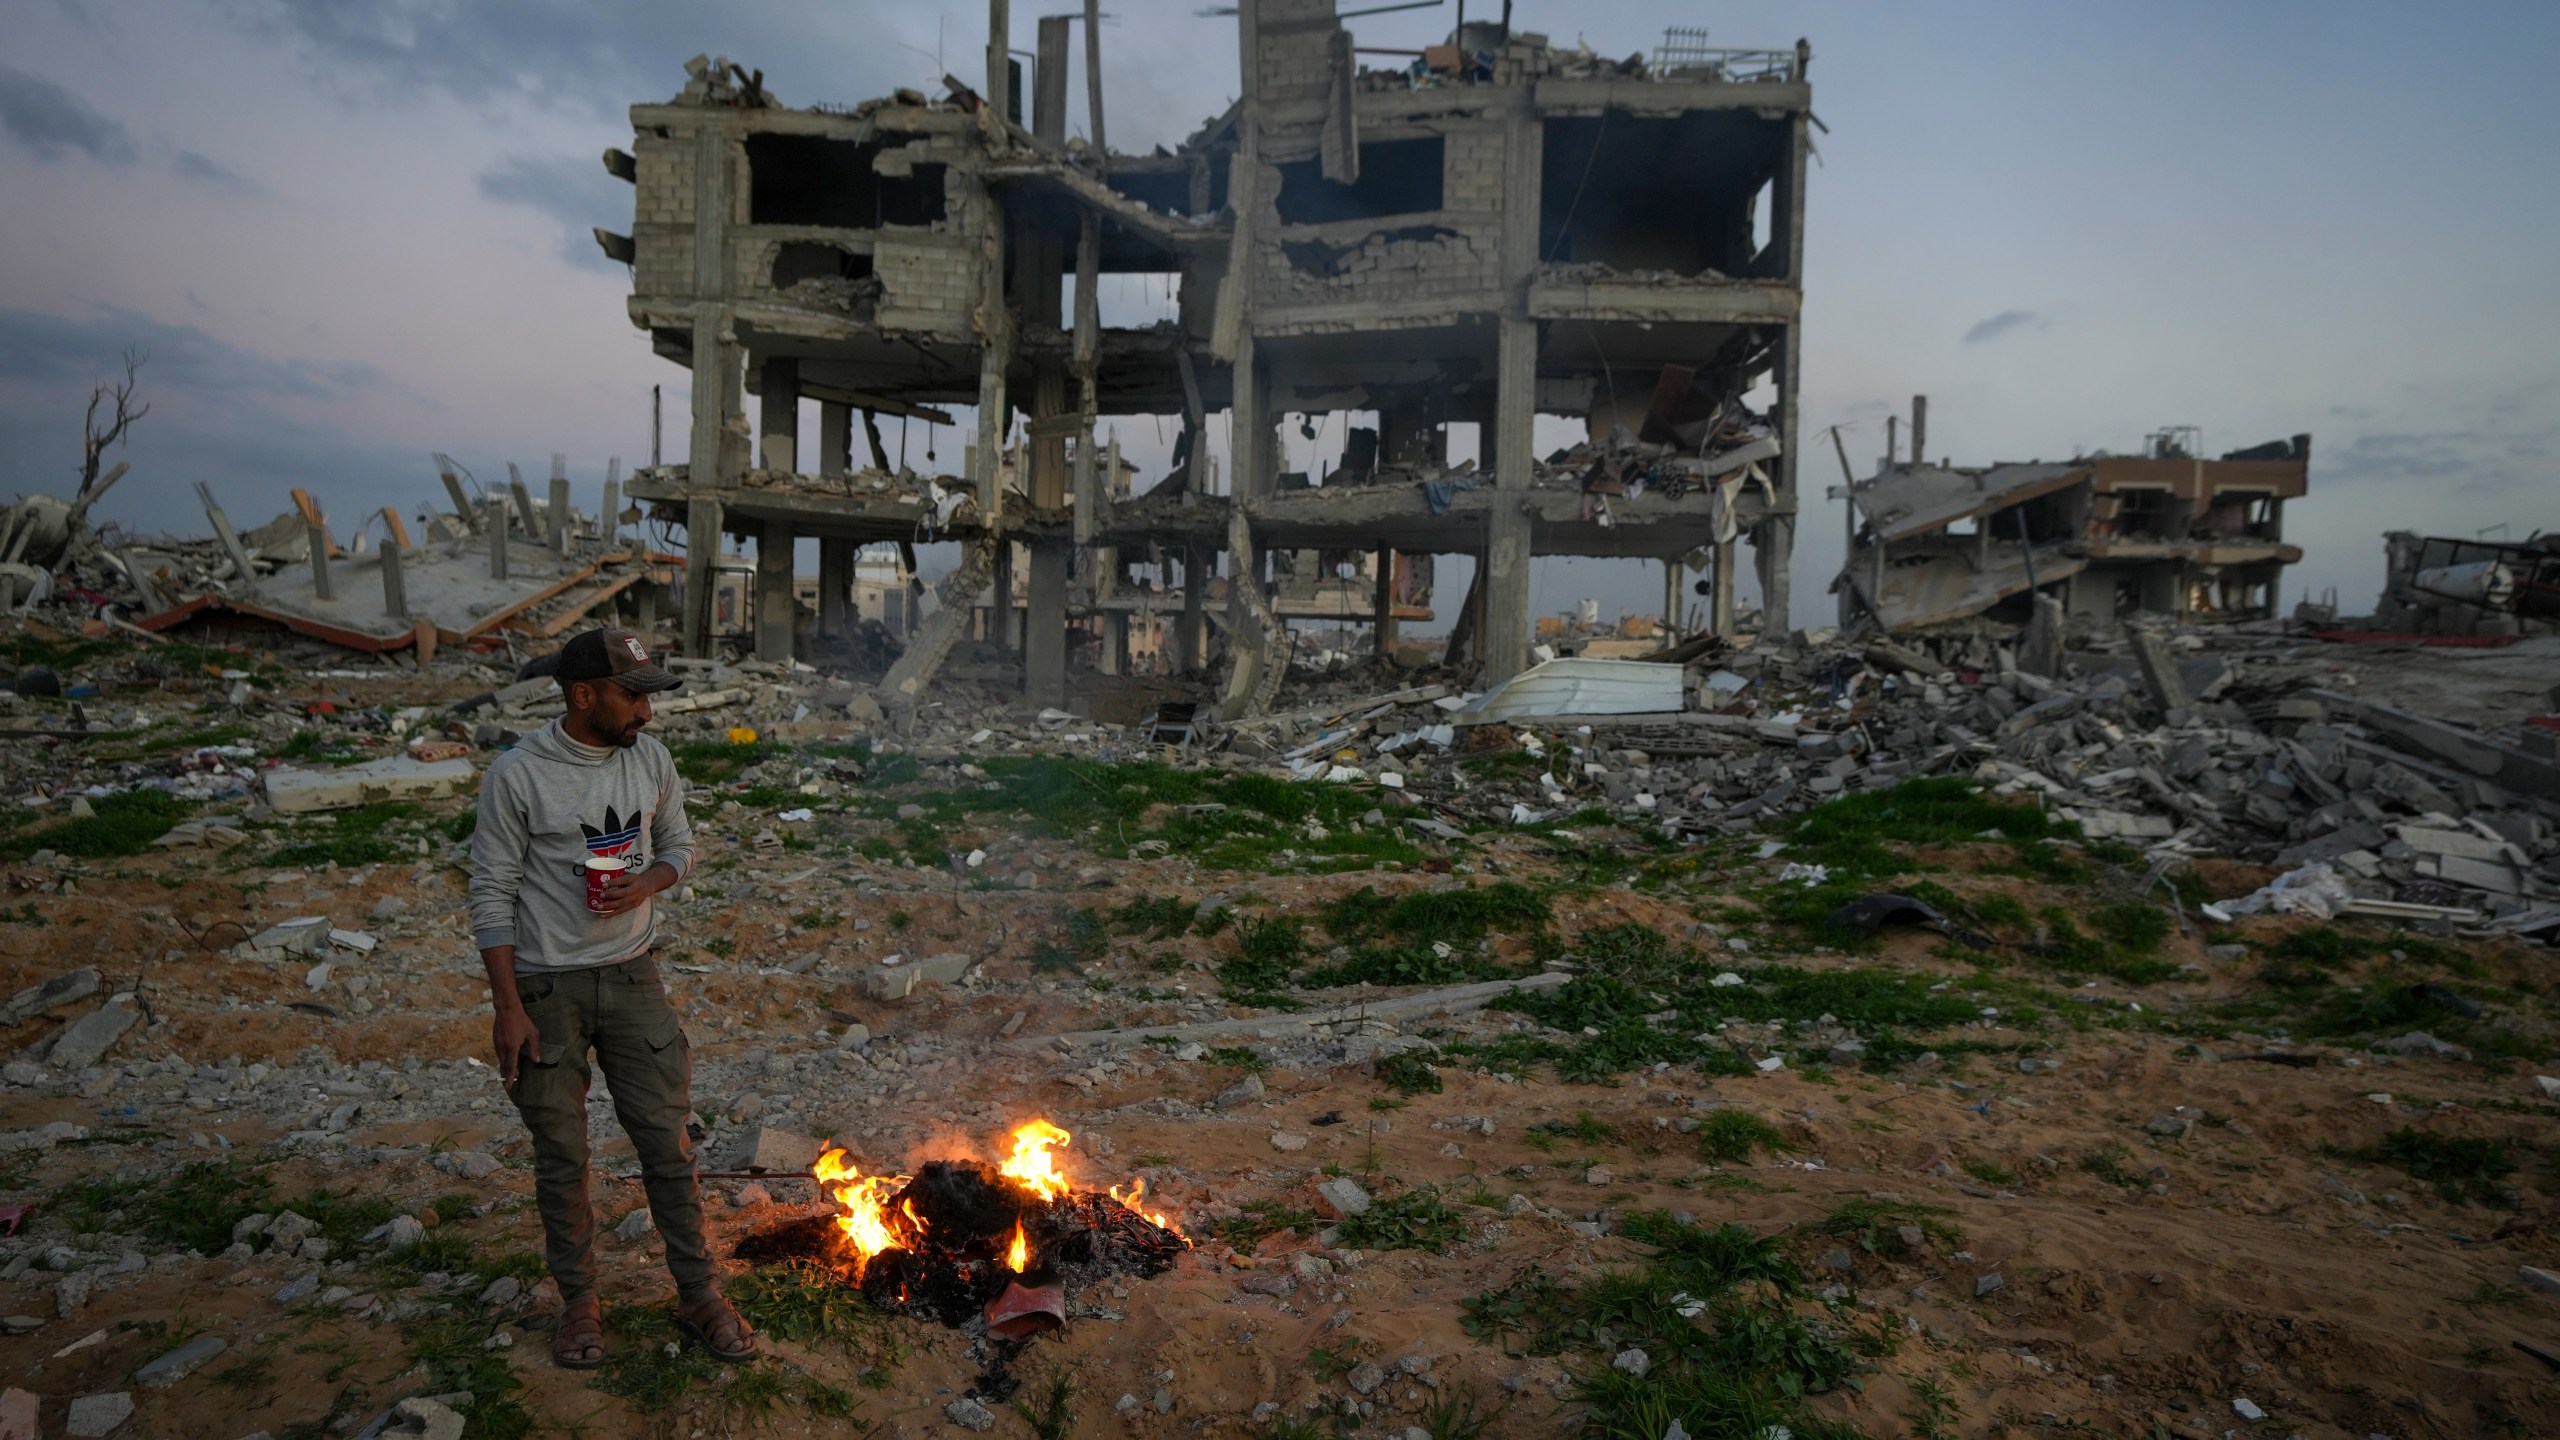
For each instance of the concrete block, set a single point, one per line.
(771, 1150)
(294, 791)
(86, 1039)
(61, 989)
(897, 982)
(180, 1363)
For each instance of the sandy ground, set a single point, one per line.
(2249, 1259)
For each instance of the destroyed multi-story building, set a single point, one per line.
(2165, 532)
(1475, 235)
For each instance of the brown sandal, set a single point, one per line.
(711, 1319)
(578, 1344)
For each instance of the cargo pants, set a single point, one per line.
(621, 1013)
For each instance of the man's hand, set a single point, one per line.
(624, 892)
(517, 1040)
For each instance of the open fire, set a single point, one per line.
(962, 1237)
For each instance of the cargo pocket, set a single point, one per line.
(667, 1036)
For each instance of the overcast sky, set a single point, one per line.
(352, 233)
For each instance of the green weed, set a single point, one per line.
(355, 837)
(1055, 1415)
(2459, 1167)
(1414, 1219)
(1877, 1225)
(1729, 1136)
(1408, 1073)
(121, 824)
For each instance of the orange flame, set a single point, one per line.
(868, 1224)
(1030, 1166)
(1138, 1192)
(1017, 1256)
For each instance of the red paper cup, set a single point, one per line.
(601, 868)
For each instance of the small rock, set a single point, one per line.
(20, 1324)
(403, 1233)
(1163, 1401)
(1519, 1204)
(93, 1415)
(1243, 1092)
(288, 1230)
(2419, 1042)
(2540, 1279)
(1634, 1361)
(1366, 1377)
(1342, 1197)
(636, 1225)
(1125, 1403)
(1985, 1284)
(970, 1414)
(1279, 1287)
(750, 1195)
(433, 1419)
(2548, 1085)
(502, 1291)
(176, 1365)
(2171, 1127)
(1286, 1142)
(2226, 952)
(1597, 1175)
(1838, 1258)
(1912, 1236)
(2247, 1409)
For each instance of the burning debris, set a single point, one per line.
(963, 1239)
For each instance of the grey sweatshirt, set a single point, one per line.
(545, 806)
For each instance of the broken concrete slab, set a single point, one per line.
(81, 1043)
(2464, 750)
(765, 1148)
(61, 989)
(2159, 669)
(1455, 1000)
(897, 982)
(292, 791)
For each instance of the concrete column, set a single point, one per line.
(1000, 613)
(1115, 642)
(778, 415)
(1720, 591)
(1382, 622)
(318, 536)
(1505, 640)
(395, 589)
(1251, 448)
(463, 509)
(715, 462)
(773, 591)
(558, 518)
(609, 519)
(1671, 606)
(995, 349)
(835, 438)
(1195, 609)
(1049, 80)
(835, 588)
(497, 537)
(1044, 641)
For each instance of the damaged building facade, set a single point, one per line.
(2166, 532)
(1488, 231)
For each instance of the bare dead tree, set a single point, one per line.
(97, 437)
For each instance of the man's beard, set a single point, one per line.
(627, 736)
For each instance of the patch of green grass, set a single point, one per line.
(1260, 1218)
(1876, 1225)
(2110, 1163)
(1933, 1413)
(1453, 1413)
(450, 1345)
(1413, 1219)
(1268, 950)
(122, 824)
(1425, 937)
(1158, 917)
(355, 837)
(2125, 946)
(640, 1370)
(453, 1207)
(1584, 1129)
(1408, 1073)
(1718, 1313)
(526, 1266)
(251, 1372)
(1054, 1416)
(195, 1208)
(1240, 1057)
(1080, 944)
(1729, 1136)
(2460, 1167)
(345, 1216)
(444, 1250)
(1990, 1172)
(709, 762)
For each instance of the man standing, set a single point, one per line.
(570, 971)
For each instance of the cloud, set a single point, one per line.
(1986, 331)
(214, 175)
(596, 56)
(55, 124)
(220, 413)
(2522, 461)
(38, 348)
(578, 193)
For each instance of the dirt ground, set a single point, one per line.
(2134, 1226)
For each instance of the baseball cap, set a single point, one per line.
(615, 655)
